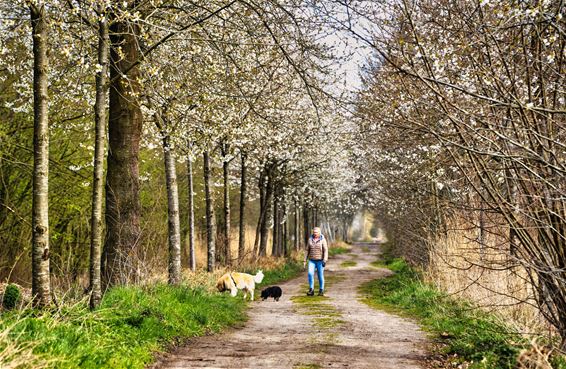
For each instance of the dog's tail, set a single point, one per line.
(258, 277)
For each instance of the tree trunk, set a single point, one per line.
(123, 205)
(174, 224)
(297, 226)
(482, 231)
(192, 255)
(262, 186)
(40, 205)
(315, 217)
(100, 121)
(226, 230)
(285, 234)
(210, 221)
(284, 222)
(306, 225)
(242, 239)
(275, 246)
(264, 232)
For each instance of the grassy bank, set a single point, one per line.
(338, 248)
(466, 334)
(131, 325)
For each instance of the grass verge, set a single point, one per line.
(333, 251)
(467, 334)
(131, 325)
(348, 263)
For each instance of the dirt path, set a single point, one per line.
(336, 331)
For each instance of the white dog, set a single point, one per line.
(235, 281)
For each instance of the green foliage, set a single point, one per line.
(348, 263)
(332, 251)
(471, 334)
(12, 296)
(131, 323)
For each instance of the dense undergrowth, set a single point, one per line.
(130, 326)
(466, 334)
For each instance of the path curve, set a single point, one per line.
(337, 332)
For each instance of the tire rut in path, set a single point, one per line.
(338, 332)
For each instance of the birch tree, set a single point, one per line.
(40, 218)
(100, 118)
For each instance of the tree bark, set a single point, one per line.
(174, 224)
(192, 255)
(284, 225)
(262, 186)
(100, 121)
(243, 189)
(210, 221)
(297, 226)
(226, 228)
(264, 232)
(40, 205)
(123, 205)
(275, 246)
(306, 226)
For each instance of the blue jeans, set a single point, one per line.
(320, 272)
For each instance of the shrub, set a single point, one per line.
(12, 296)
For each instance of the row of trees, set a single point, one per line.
(178, 81)
(464, 114)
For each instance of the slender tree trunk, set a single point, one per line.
(306, 225)
(100, 121)
(226, 228)
(285, 234)
(40, 205)
(275, 247)
(267, 217)
(210, 221)
(123, 205)
(262, 186)
(297, 226)
(192, 255)
(315, 217)
(174, 224)
(482, 232)
(284, 225)
(243, 189)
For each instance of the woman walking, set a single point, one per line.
(316, 255)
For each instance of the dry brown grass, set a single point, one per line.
(202, 279)
(536, 356)
(457, 267)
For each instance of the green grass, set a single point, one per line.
(333, 251)
(348, 263)
(307, 366)
(474, 336)
(131, 325)
(325, 316)
(289, 270)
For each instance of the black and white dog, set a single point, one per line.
(273, 291)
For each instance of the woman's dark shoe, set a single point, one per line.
(321, 292)
(311, 292)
